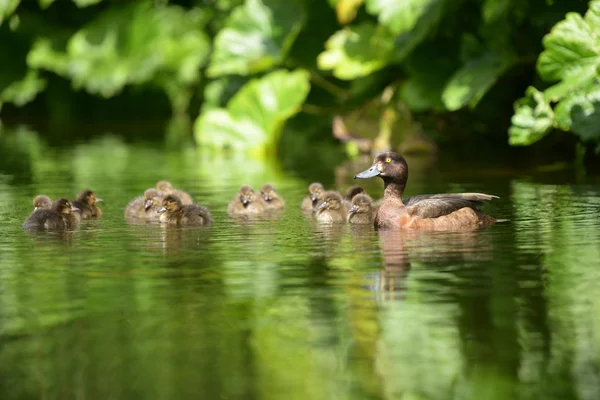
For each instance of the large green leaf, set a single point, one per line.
(256, 37)
(533, 119)
(573, 45)
(133, 44)
(255, 115)
(402, 16)
(580, 113)
(7, 7)
(24, 90)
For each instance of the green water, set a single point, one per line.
(287, 308)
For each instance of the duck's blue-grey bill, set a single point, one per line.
(369, 173)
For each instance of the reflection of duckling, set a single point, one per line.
(331, 209)
(362, 210)
(311, 202)
(58, 217)
(166, 188)
(174, 212)
(41, 202)
(86, 202)
(246, 202)
(272, 199)
(146, 206)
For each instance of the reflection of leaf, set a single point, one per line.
(580, 112)
(533, 119)
(256, 37)
(7, 7)
(24, 90)
(256, 113)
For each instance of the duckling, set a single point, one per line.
(166, 188)
(331, 208)
(58, 217)
(350, 193)
(173, 211)
(86, 202)
(271, 197)
(362, 210)
(311, 202)
(41, 202)
(146, 206)
(246, 202)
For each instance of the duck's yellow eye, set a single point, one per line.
(388, 159)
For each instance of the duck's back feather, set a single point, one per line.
(438, 205)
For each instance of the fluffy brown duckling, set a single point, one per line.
(331, 208)
(146, 206)
(41, 202)
(350, 193)
(362, 210)
(246, 202)
(174, 212)
(86, 202)
(272, 199)
(166, 188)
(60, 216)
(311, 202)
(453, 211)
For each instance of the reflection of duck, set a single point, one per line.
(174, 212)
(272, 199)
(246, 202)
(41, 202)
(86, 202)
(58, 217)
(434, 212)
(311, 202)
(362, 210)
(146, 206)
(331, 208)
(166, 188)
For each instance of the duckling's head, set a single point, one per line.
(63, 206)
(268, 192)
(88, 197)
(353, 191)
(164, 186)
(42, 202)
(247, 195)
(170, 204)
(361, 204)
(389, 166)
(152, 197)
(331, 201)
(315, 189)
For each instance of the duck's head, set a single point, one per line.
(88, 197)
(389, 166)
(315, 189)
(247, 195)
(170, 204)
(268, 192)
(331, 201)
(42, 202)
(63, 206)
(164, 186)
(152, 197)
(353, 191)
(361, 203)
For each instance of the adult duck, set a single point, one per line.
(453, 211)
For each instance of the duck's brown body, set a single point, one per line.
(166, 188)
(455, 211)
(60, 216)
(332, 209)
(146, 206)
(176, 213)
(362, 211)
(273, 200)
(86, 203)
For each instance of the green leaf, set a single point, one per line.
(532, 120)
(7, 7)
(357, 51)
(346, 10)
(256, 37)
(573, 45)
(24, 90)
(402, 16)
(255, 115)
(471, 82)
(580, 113)
(86, 3)
(572, 83)
(493, 10)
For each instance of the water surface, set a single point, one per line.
(288, 308)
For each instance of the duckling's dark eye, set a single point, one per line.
(388, 160)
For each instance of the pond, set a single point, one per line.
(287, 308)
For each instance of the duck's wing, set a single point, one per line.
(437, 205)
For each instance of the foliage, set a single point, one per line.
(435, 56)
(571, 57)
